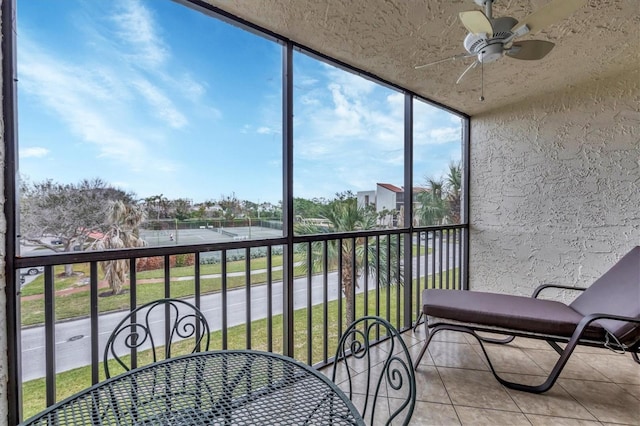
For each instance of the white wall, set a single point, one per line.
(555, 187)
(385, 199)
(362, 198)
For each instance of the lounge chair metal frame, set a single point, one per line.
(610, 342)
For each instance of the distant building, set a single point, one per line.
(388, 201)
(366, 198)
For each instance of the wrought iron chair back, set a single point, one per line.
(366, 373)
(156, 326)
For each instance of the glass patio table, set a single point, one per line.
(231, 387)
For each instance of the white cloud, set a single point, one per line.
(264, 130)
(396, 101)
(425, 134)
(136, 29)
(305, 81)
(65, 90)
(33, 152)
(91, 112)
(445, 134)
(161, 104)
(191, 87)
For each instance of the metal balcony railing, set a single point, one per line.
(293, 296)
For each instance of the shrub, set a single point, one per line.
(157, 262)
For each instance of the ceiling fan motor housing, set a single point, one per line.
(490, 47)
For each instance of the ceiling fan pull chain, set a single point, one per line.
(481, 81)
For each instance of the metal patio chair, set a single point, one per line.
(157, 326)
(366, 372)
(606, 314)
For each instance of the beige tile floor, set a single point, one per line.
(456, 387)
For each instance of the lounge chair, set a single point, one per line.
(606, 314)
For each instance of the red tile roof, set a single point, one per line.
(390, 187)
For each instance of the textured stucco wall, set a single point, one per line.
(555, 187)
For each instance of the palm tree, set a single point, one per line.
(346, 216)
(440, 203)
(124, 221)
(453, 182)
(433, 208)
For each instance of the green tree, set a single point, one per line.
(313, 208)
(69, 212)
(440, 203)
(345, 216)
(453, 182)
(231, 206)
(182, 208)
(433, 207)
(124, 221)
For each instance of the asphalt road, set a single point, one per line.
(73, 344)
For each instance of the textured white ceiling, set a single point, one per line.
(388, 38)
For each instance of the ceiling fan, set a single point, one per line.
(490, 38)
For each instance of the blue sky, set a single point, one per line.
(157, 98)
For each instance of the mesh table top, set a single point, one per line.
(210, 388)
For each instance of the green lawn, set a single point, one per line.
(73, 381)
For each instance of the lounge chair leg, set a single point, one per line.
(634, 355)
(415, 326)
(426, 344)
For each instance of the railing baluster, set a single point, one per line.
(453, 260)
(133, 302)
(247, 295)
(95, 332)
(354, 282)
(309, 302)
(462, 233)
(365, 262)
(167, 294)
(440, 274)
(223, 270)
(325, 300)
(340, 284)
(388, 286)
(269, 299)
(397, 284)
(377, 275)
(196, 288)
(432, 234)
(50, 335)
(418, 277)
(447, 261)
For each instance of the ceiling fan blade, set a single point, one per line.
(550, 13)
(530, 50)
(452, 58)
(476, 22)
(469, 68)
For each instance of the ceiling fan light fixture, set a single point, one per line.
(490, 53)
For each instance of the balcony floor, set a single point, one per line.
(456, 387)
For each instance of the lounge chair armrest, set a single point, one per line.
(538, 290)
(585, 321)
